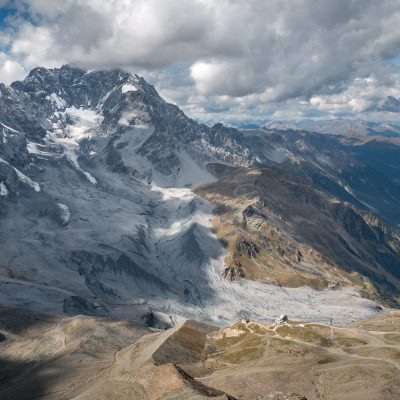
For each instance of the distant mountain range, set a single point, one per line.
(339, 126)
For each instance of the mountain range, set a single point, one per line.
(340, 126)
(114, 203)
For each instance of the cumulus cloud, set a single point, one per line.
(147, 34)
(10, 70)
(243, 57)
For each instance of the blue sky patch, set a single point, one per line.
(5, 13)
(396, 60)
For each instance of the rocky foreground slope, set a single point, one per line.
(101, 358)
(98, 214)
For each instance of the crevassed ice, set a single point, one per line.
(83, 120)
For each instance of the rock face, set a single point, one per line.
(96, 214)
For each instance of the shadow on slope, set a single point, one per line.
(50, 356)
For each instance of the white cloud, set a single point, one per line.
(235, 56)
(10, 70)
(35, 46)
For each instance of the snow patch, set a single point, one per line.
(99, 107)
(277, 155)
(128, 87)
(56, 100)
(23, 178)
(7, 131)
(73, 159)
(84, 116)
(189, 172)
(65, 213)
(3, 189)
(8, 128)
(34, 148)
(349, 191)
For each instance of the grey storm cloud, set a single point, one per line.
(254, 50)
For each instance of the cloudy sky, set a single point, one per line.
(247, 60)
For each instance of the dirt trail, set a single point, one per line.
(372, 342)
